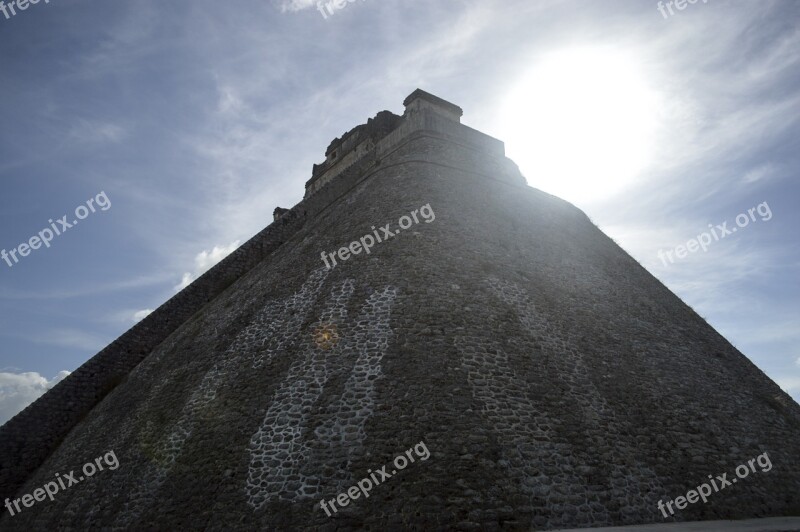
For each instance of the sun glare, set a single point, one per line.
(580, 124)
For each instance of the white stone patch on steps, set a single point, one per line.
(278, 449)
(341, 435)
(283, 464)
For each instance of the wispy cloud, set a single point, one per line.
(759, 173)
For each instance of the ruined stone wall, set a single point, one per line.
(353, 156)
(354, 144)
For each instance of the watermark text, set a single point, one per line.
(60, 483)
(56, 228)
(365, 485)
(21, 5)
(720, 483)
(718, 232)
(366, 242)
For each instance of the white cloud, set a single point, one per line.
(18, 390)
(296, 5)
(142, 314)
(186, 280)
(204, 261)
(797, 361)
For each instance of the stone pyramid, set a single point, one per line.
(489, 360)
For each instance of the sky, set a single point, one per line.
(172, 130)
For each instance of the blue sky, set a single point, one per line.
(198, 118)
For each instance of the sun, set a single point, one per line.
(581, 123)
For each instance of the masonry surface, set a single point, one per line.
(554, 380)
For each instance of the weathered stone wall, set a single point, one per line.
(554, 380)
